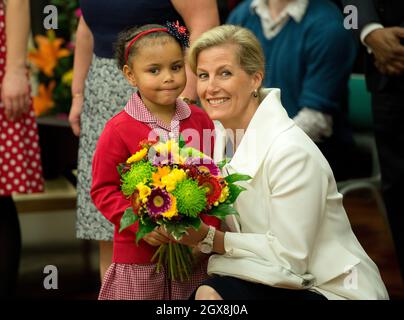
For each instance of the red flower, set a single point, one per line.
(181, 29)
(213, 186)
(146, 143)
(135, 202)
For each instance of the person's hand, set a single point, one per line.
(75, 112)
(192, 238)
(390, 69)
(156, 238)
(387, 49)
(317, 125)
(15, 93)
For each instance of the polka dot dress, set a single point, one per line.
(20, 163)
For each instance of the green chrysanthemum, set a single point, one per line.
(139, 172)
(191, 199)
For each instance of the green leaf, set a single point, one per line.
(145, 226)
(128, 218)
(237, 177)
(235, 191)
(195, 223)
(181, 141)
(222, 163)
(222, 211)
(177, 230)
(119, 168)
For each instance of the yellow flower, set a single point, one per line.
(172, 212)
(171, 180)
(166, 147)
(224, 195)
(68, 77)
(137, 156)
(170, 147)
(157, 176)
(48, 53)
(144, 191)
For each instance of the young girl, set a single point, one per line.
(152, 60)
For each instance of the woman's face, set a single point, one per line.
(224, 88)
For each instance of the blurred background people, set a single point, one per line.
(20, 163)
(381, 31)
(309, 56)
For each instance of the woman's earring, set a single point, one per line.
(255, 93)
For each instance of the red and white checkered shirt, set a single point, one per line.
(137, 110)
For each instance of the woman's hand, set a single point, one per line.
(75, 112)
(192, 238)
(15, 93)
(156, 238)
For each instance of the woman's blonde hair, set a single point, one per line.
(250, 54)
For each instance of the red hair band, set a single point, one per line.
(143, 33)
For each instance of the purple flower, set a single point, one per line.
(159, 202)
(204, 164)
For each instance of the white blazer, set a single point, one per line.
(293, 231)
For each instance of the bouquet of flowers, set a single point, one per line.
(171, 185)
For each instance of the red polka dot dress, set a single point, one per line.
(20, 162)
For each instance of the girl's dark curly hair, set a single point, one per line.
(126, 36)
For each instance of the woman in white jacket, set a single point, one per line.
(293, 239)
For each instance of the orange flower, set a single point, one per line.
(43, 101)
(48, 52)
(161, 172)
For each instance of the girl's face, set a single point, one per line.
(224, 88)
(158, 71)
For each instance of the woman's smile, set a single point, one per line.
(217, 101)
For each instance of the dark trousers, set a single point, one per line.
(10, 247)
(230, 288)
(388, 114)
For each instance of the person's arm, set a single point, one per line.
(328, 57)
(383, 43)
(83, 54)
(298, 187)
(199, 16)
(15, 87)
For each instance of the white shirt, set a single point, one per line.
(295, 10)
(368, 29)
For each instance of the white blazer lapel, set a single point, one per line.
(268, 122)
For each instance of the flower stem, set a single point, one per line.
(171, 266)
(184, 257)
(178, 254)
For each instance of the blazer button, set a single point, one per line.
(229, 253)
